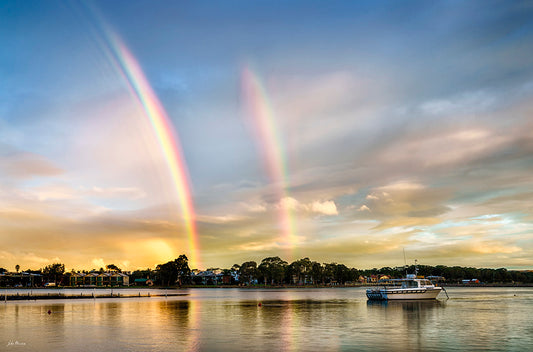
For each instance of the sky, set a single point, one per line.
(135, 131)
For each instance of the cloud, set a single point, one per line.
(363, 208)
(452, 147)
(256, 246)
(464, 103)
(317, 207)
(25, 165)
(326, 207)
(27, 260)
(98, 263)
(255, 207)
(405, 204)
(114, 192)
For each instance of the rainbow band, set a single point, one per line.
(168, 140)
(272, 148)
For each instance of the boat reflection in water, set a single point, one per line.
(407, 305)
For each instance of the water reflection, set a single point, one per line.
(412, 305)
(255, 320)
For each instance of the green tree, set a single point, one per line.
(248, 272)
(317, 272)
(302, 270)
(272, 269)
(17, 267)
(329, 272)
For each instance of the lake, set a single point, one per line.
(334, 319)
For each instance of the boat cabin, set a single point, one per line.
(416, 283)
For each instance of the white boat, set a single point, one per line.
(408, 288)
(411, 288)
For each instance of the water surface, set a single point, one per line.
(340, 319)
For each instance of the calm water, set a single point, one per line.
(497, 319)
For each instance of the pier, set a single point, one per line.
(30, 296)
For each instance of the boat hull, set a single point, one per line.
(402, 294)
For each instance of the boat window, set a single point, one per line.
(409, 284)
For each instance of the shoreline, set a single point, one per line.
(33, 294)
(182, 287)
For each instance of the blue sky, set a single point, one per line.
(402, 124)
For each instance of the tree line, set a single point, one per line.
(276, 271)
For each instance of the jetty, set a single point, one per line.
(30, 296)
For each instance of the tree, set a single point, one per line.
(113, 267)
(54, 272)
(272, 269)
(317, 272)
(329, 272)
(182, 265)
(248, 272)
(175, 271)
(302, 269)
(17, 267)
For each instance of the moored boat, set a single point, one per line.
(408, 288)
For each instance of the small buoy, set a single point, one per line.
(260, 304)
(49, 312)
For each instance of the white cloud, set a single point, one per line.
(403, 185)
(326, 208)
(98, 263)
(289, 203)
(363, 208)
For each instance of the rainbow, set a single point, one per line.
(270, 143)
(168, 140)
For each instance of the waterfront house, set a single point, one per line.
(77, 279)
(119, 279)
(206, 277)
(99, 279)
(21, 279)
(143, 282)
